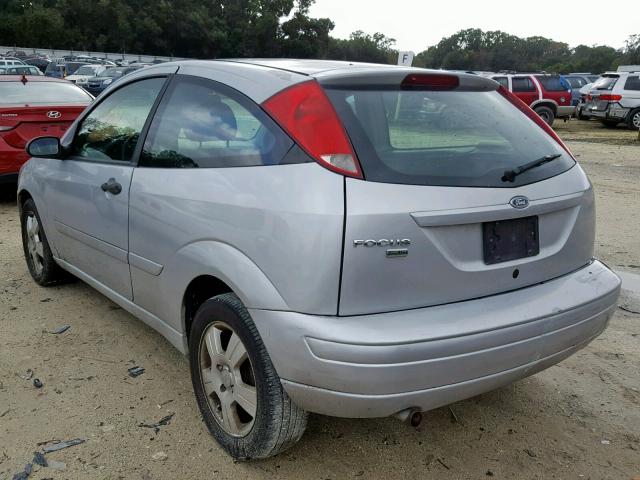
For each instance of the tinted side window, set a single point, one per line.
(576, 82)
(111, 130)
(632, 83)
(523, 84)
(201, 123)
(504, 81)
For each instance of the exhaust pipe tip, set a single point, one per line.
(411, 416)
(415, 419)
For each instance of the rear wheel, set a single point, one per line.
(581, 116)
(42, 267)
(237, 388)
(546, 114)
(610, 123)
(633, 121)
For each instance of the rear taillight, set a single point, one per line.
(524, 108)
(611, 98)
(306, 113)
(429, 81)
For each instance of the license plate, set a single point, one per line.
(507, 240)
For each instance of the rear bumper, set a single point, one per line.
(565, 111)
(378, 365)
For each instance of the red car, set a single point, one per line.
(33, 107)
(548, 95)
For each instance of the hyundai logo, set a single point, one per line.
(54, 114)
(519, 202)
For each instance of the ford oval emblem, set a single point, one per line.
(54, 114)
(519, 202)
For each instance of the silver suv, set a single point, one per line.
(347, 239)
(615, 98)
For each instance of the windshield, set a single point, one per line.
(42, 93)
(444, 138)
(86, 70)
(112, 72)
(606, 83)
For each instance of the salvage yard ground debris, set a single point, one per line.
(579, 419)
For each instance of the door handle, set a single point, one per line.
(111, 186)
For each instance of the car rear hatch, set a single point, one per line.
(438, 212)
(18, 125)
(601, 96)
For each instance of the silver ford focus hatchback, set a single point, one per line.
(348, 239)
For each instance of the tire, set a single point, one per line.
(546, 114)
(633, 120)
(581, 116)
(223, 326)
(610, 123)
(43, 268)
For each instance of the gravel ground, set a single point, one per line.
(579, 419)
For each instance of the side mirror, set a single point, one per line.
(44, 147)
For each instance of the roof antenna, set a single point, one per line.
(24, 79)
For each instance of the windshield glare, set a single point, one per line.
(86, 71)
(111, 72)
(444, 138)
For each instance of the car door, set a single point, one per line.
(88, 192)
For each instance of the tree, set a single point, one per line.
(361, 47)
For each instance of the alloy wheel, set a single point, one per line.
(228, 379)
(34, 243)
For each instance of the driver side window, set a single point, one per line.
(111, 131)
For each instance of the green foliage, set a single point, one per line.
(274, 28)
(474, 49)
(361, 47)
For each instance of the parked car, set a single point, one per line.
(22, 70)
(312, 246)
(32, 107)
(577, 81)
(96, 85)
(582, 111)
(42, 62)
(85, 72)
(615, 99)
(545, 94)
(10, 62)
(63, 69)
(16, 54)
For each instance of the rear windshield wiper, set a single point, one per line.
(510, 175)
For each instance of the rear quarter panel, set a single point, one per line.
(274, 234)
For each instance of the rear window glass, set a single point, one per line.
(504, 81)
(41, 93)
(632, 83)
(552, 84)
(444, 138)
(606, 83)
(523, 84)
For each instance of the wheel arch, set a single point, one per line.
(546, 103)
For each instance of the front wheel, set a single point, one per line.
(546, 114)
(237, 388)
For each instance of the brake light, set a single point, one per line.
(306, 113)
(422, 81)
(524, 108)
(611, 98)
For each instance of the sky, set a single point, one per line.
(417, 24)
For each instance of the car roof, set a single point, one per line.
(305, 66)
(31, 78)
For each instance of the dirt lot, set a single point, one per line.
(580, 419)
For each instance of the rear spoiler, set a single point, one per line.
(395, 78)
